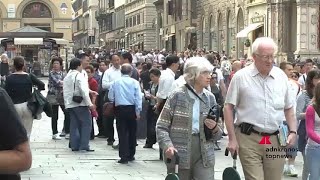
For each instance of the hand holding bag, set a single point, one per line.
(76, 99)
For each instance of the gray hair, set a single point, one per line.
(126, 69)
(194, 67)
(262, 41)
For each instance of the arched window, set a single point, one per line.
(220, 33)
(211, 35)
(203, 31)
(36, 10)
(240, 41)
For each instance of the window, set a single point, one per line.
(36, 10)
(130, 22)
(138, 19)
(134, 20)
(127, 22)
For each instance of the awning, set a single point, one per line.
(2, 39)
(28, 41)
(60, 41)
(244, 32)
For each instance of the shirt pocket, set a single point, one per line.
(278, 99)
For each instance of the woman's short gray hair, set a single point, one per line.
(194, 67)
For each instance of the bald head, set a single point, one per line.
(126, 69)
(236, 66)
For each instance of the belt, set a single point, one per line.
(195, 134)
(265, 134)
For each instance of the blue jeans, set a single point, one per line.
(313, 160)
(80, 127)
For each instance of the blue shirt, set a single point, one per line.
(195, 112)
(126, 91)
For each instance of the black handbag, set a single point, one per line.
(76, 99)
(37, 103)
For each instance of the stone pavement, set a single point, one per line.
(52, 160)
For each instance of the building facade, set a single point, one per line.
(112, 21)
(232, 26)
(176, 24)
(49, 15)
(85, 26)
(140, 23)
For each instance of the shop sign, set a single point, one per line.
(257, 19)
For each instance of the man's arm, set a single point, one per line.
(229, 121)
(291, 119)
(17, 160)
(13, 137)
(106, 81)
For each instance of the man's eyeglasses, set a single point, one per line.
(266, 57)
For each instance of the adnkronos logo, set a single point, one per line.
(272, 151)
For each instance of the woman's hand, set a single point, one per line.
(170, 152)
(210, 123)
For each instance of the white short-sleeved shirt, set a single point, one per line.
(260, 101)
(302, 80)
(220, 75)
(166, 83)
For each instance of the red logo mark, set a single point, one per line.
(265, 140)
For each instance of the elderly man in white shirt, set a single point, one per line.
(262, 98)
(109, 77)
(78, 103)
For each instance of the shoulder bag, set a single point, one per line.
(75, 98)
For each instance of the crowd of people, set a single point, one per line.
(189, 99)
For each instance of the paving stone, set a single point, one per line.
(53, 160)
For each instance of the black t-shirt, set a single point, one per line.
(12, 132)
(145, 79)
(19, 86)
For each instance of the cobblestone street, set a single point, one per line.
(53, 160)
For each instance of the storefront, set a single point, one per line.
(35, 45)
(256, 26)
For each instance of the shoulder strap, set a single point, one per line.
(304, 78)
(74, 84)
(190, 89)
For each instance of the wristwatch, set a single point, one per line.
(294, 132)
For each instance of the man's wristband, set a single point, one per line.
(293, 132)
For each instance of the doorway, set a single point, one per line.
(258, 33)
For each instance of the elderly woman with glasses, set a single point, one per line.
(187, 124)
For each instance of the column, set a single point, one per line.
(307, 29)
(280, 29)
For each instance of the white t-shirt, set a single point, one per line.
(220, 75)
(302, 79)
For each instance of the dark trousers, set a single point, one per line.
(92, 130)
(127, 127)
(100, 124)
(108, 127)
(55, 116)
(152, 118)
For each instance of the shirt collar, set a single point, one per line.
(255, 71)
(171, 72)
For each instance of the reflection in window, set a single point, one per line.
(36, 10)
